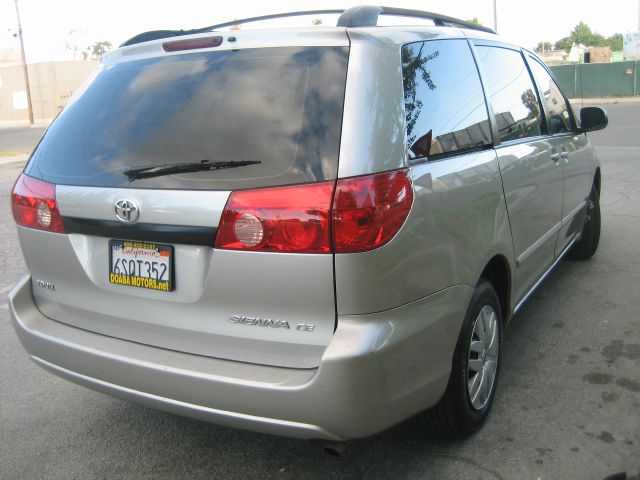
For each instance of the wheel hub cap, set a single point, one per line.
(483, 357)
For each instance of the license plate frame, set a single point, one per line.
(151, 252)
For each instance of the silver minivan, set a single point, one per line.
(315, 232)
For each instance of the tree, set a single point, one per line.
(564, 43)
(97, 49)
(615, 42)
(581, 33)
(543, 47)
(412, 66)
(316, 21)
(530, 101)
(76, 42)
(475, 21)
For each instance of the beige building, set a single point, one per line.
(9, 56)
(52, 83)
(554, 56)
(599, 54)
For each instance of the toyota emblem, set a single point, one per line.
(127, 211)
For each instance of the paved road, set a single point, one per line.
(568, 403)
(19, 139)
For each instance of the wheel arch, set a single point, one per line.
(597, 180)
(498, 272)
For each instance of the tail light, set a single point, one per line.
(282, 219)
(367, 213)
(34, 205)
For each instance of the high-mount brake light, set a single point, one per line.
(192, 44)
(367, 213)
(34, 205)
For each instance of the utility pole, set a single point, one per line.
(495, 15)
(24, 66)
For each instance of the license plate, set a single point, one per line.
(141, 264)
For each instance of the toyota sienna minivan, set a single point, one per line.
(315, 232)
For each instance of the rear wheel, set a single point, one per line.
(586, 247)
(476, 363)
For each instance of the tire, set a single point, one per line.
(586, 247)
(458, 413)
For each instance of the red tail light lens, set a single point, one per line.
(34, 205)
(282, 219)
(368, 211)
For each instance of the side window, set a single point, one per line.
(513, 96)
(444, 104)
(559, 118)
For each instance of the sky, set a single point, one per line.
(47, 24)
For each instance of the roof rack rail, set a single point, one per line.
(367, 16)
(157, 34)
(360, 16)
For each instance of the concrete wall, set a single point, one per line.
(619, 79)
(52, 83)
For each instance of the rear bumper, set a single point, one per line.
(378, 370)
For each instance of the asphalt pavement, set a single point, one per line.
(18, 141)
(567, 406)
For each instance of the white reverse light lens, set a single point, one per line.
(44, 214)
(248, 229)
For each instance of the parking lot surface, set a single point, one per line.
(567, 406)
(18, 141)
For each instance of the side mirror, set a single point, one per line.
(593, 118)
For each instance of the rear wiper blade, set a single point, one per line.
(149, 171)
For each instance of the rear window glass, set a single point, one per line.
(279, 106)
(443, 100)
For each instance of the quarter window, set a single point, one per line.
(444, 104)
(558, 112)
(513, 96)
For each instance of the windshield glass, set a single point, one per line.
(281, 107)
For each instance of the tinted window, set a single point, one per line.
(559, 119)
(280, 106)
(509, 85)
(443, 99)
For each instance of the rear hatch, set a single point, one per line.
(144, 160)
